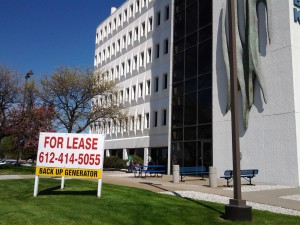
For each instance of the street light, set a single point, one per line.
(28, 74)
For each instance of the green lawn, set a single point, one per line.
(7, 169)
(78, 204)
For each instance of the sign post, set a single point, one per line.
(70, 155)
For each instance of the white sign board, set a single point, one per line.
(70, 155)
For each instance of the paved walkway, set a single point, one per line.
(275, 195)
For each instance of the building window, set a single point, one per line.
(136, 33)
(155, 119)
(156, 84)
(128, 65)
(133, 93)
(134, 62)
(118, 45)
(149, 55)
(124, 41)
(139, 125)
(115, 23)
(113, 48)
(165, 84)
(158, 18)
(166, 46)
(97, 37)
(164, 119)
(132, 124)
(144, 3)
(131, 10)
(120, 19)
(146, 120)
(117, 71)
(141, 90)
(137, 5)
(150, 22)
(109, 27)
(148, 87)
(112, 73)
(122, 68)
(157, 51)
(129, 38)
(125, 128)
(142, 57)
(143, 29)
(125, 15)
(167, 12)
(127, 94)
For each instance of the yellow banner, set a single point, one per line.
(68, 172)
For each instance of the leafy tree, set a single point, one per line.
(10, 95)
(7, 146)
(71, 90)
(27, 124)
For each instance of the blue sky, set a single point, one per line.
(43, 34)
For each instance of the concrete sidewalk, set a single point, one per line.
(275, 195)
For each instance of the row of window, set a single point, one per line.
(139, 60)
(134, 123)
(128, 13)
(135, 91)
(113, 49)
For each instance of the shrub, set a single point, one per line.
(114, 162)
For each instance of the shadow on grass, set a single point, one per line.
(58, 191)
(188, 199)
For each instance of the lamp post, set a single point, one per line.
(237, 208)
(27, 76)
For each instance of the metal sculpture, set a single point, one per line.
(248, 56)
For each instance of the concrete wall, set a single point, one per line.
(271, 141)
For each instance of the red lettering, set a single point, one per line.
(88, 144)
(60, 141)
(75, 142)
(81, 143)
(68, 143)
(95, 143)
(46, 141)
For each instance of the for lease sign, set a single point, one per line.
(70, 155)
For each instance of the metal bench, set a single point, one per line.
(247, 174)
(153, 170)
(195, 170)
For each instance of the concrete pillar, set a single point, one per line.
(176, 174)
(146, 153)
(107, 153)
(125, 154)
(213, 176)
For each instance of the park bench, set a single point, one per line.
(152, 170)
(247, 174)
(195, 170)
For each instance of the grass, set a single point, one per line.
(8, 169)
(78, 204)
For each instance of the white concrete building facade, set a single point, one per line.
(168, 61)
(133, 45)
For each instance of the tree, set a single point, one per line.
(10, 95)
(27, 125)
(71, 90)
